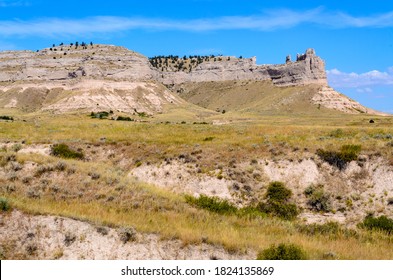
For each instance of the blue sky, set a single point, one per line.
(354, 38)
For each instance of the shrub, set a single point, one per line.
(276, 191)
(69, 238)
(340, 159)
(213, 204)
(100, 115)
(60, 166)
(4, 205)
(62, 150)
(6, 118)
(277, 202)
(120, 118)
(382, 223)
(286, 211)
(127, 234)
(317, 199)
(282, 252)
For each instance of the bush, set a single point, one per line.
(100, 115)
(317, 199)
(277, 202)
(282, 252)
(382, 223)
(62, 150)
(212, 204)
(120, 118)
(276, 191)
(4, 205)
(286, 211)
(340, 159)
(127, 234)
(6, 118)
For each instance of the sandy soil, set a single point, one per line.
(49, 237)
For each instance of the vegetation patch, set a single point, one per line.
(318, 200)
(100, 115)
(340, 159)
(6, 118)
(62, 150)
(127, 234)
(382, 223)
(282, 251)
(277, 204)
(212, 204)
(121, 118)
(4, 204)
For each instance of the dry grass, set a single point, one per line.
(98, 189)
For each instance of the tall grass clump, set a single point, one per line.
(212, 204)
(62, 150)
(340, 159)
(282, 251)
(277, 202)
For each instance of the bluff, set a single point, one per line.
(100, 77)
(116, 63)
(307, 69)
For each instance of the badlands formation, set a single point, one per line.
(102, 77)
(210, 127)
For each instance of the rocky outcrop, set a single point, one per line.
(119, 64)
(67, 63)
(99, 77)
(329, 98)
(307, 69)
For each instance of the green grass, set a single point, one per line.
(213, 204)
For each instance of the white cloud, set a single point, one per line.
(364, 90)
(354, 80)
(13, 3)
(267, 21)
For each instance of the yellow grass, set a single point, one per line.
(149, 209)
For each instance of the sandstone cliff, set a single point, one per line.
(94, 78)
(117, 63)
(307, 69)
(104, 77)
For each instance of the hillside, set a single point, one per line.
(108, 78)
(263, 97)
(105, 154)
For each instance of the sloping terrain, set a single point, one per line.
(89, 95)
(263, 97)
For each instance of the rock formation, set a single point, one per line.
(307, 69)
(120, 64)
(96, 78)
(99, 77)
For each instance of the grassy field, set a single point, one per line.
(99, 190)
